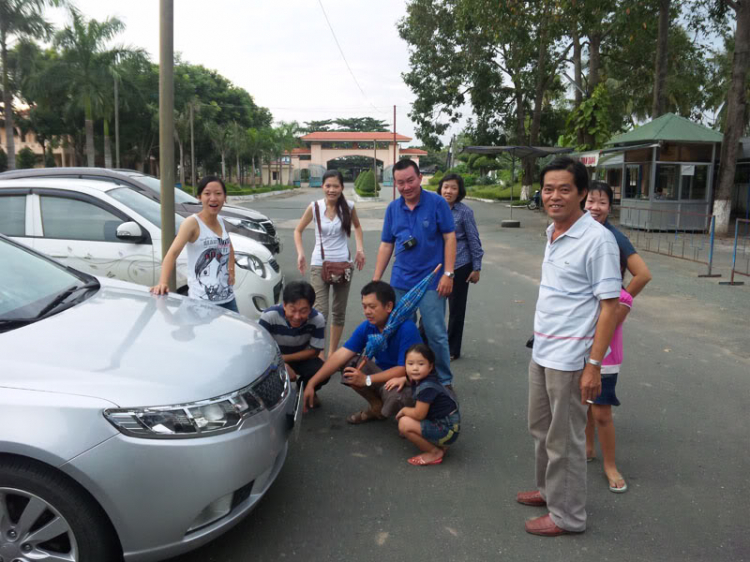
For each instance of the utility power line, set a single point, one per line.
(343, 56)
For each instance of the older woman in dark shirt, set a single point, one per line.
(468, 257)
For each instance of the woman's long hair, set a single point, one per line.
(342, 207)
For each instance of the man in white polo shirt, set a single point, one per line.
(573, 325)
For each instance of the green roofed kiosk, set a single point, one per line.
(664, 173)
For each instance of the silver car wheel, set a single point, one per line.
(32, 530)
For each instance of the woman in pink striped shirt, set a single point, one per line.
(600, 421)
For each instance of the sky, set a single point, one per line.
(283, 52)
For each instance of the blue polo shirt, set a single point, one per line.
(394, 354)
(429, 220)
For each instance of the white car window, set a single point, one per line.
(13, 215)
(72, 219)
(147, 208)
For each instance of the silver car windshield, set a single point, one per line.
(27, 281)
(147, 208)
(155, 185)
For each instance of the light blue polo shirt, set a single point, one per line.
(429, 220)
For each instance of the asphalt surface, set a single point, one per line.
(347, 493)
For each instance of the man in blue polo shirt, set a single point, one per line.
(378, 300)
(420, 230)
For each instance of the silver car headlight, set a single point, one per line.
(195, 419)
(251, 263)
(248, 224)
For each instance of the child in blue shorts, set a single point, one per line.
(434, 422)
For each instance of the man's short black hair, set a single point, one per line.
(456, 178)
(382, 290)
(297, 290)
(402, 165)
(576, 168)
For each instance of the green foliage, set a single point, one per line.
(49, 159)
(26, 158)
(498, 192)
(591, 118)
(346, 124)
(3, 160)
(368, 186)
(435, 180)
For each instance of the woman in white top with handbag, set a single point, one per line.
(331, 263)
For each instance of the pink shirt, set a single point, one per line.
(612, 361)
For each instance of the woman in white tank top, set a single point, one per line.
(209, 250)
(337, 217)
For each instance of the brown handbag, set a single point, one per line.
(334, 272)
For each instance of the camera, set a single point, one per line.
(410, 243)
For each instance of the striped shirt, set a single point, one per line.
(291, 340)
(468, 245)
(580, 268)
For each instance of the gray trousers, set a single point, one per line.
(557, 421)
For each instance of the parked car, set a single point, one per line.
(113, 231)
(239, 219)
(131, 425)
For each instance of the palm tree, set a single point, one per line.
(252, 149)
(181, 135)
(85, 66)
(237, 138)
(219, 136)
(18, 18)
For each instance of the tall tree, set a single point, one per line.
(85, 64)
(660, 72)
(18, 18)
(736, 103)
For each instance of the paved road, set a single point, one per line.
(347, 493)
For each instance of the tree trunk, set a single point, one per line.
(536, 115)
(182, 164)
(239, 177)
(736, 102)
(578, 77)
(89, 126)
(252, 170)
(278, 179)
(223, 166)
(595, 42)
(10, 142)
(107, 146)
(661, 67)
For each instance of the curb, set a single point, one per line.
(254, 196)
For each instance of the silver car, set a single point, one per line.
(130, 425)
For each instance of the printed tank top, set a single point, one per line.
(208, 265)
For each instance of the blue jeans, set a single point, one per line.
(432, 310)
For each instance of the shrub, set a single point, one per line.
(368, 183)
(435, 180)
(26, 158)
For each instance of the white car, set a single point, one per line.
(113, 231)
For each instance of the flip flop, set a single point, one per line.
(364, 416)
(621, 490)
(419, 461)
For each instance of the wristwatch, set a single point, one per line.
(594, 362)
(368, 381)
(449, 274)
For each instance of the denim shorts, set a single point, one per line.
(442, 431)
(230, 305)
(608, 396)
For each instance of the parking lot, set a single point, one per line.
(347, 493)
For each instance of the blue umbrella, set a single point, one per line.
(404, 309)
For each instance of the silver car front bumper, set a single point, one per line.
(154, 490)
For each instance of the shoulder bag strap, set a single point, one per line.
(320, 231)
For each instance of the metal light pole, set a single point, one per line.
(117, 126)
(166, 127)
(192, 147)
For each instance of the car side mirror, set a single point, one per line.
(130, 231)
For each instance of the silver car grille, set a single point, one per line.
(270, 388)
(269, 226)
(275, 265)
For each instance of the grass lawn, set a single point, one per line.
(234, 189)
(496, 192)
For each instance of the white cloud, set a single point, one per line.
(282, 52)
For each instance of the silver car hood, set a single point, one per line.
(134, 349)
